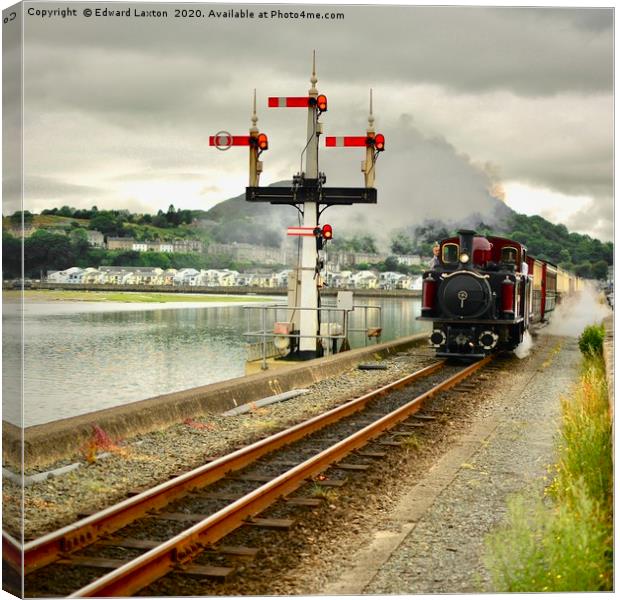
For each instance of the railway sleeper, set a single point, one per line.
(423, 417)
(221, 573)
(329, 482)
(242, 552)
(351, 467)
(255, 521)
(228, 497)
(270, 523)
(370, 454)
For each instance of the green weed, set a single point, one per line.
(326, 493)
(412, 442)
(563, 541)
(566, 548)
(591, 340)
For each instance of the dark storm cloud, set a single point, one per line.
(150, 92)
(527, 51)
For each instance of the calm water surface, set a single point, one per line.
(83, 356)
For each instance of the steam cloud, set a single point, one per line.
(571, 317)
(577, 312)
(421, 178)
(525, 347)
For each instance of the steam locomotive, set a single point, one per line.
(484, 293)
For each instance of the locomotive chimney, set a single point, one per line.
(466, 242)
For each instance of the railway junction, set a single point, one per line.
(416, 499)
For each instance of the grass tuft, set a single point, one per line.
(412, 442)
(320, 491)
(563, 541)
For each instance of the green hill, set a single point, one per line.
(582, 254)
(59, 241)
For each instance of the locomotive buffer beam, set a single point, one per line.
(457, 321)
(329, 196)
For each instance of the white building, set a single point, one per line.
(365, 280)
(70, 275)
(95, 238)
(409, 259)
(187, 277)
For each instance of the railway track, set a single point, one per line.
(222, 487)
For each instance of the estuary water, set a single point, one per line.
(85, 356)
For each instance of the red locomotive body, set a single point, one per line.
(484, 293)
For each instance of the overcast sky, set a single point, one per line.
(511, 102)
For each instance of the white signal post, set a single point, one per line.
(307, 193)
(309, 293)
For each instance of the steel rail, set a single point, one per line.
(12, 551)
(184, 547)
(49, 548)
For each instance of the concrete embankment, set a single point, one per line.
(45, 444)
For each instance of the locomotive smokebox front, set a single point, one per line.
(464, 295)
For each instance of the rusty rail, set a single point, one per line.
(49, 548)
(172, 554)
(12, 551)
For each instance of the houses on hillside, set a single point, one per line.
(362, 280)
(250, 252)
(175, 246)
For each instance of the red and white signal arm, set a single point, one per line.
(350, 141)
(288, 102)
(345, 141)
(223, 140)
(301, 231)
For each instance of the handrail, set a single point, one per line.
(344, 319)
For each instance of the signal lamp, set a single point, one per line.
(262, 142)
(327, 232)
(380, 142)
(321, 103)
(464, 257)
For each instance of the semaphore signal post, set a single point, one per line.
(309, 195)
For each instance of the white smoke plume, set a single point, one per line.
(574, 314)
(525, 347)
(571, 317)
(421, 178)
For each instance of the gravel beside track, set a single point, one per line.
(442, 553)
(150, 459)
(413, 523)
(432, 538)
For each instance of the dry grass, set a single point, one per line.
(564, 541)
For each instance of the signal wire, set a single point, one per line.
(301, 158)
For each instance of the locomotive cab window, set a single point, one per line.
(509, 255)
(450, 254)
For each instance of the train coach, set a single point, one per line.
(484, 293)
